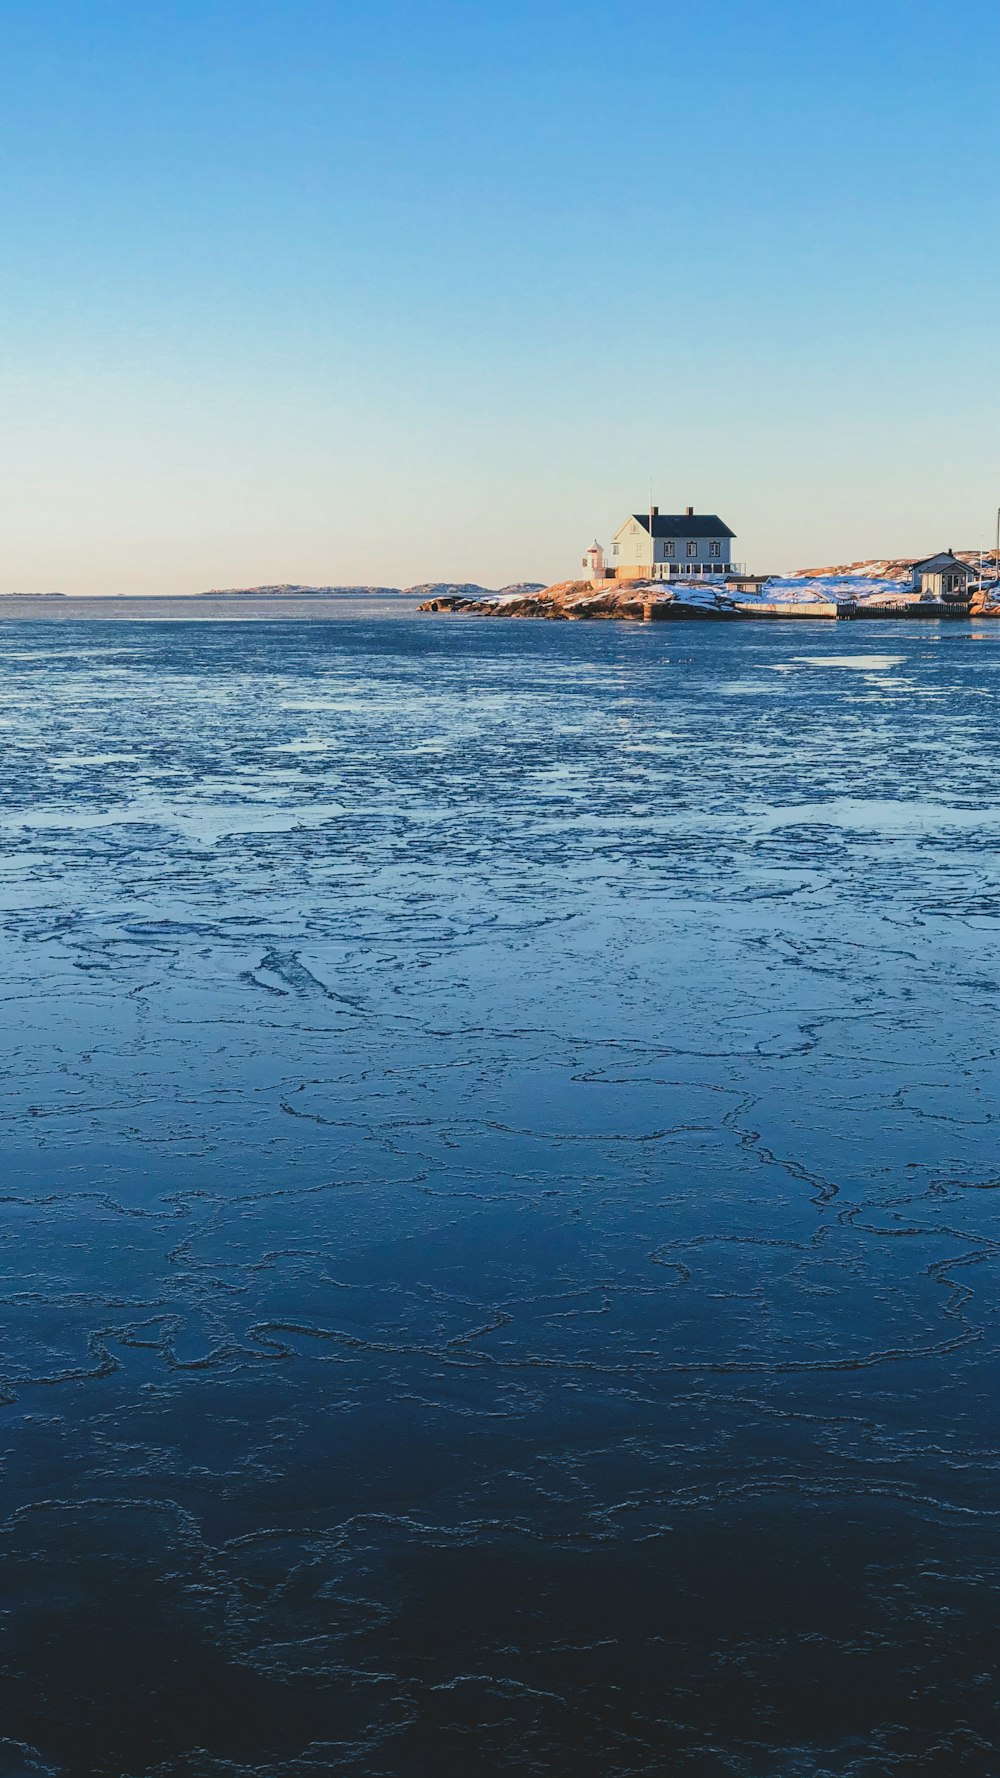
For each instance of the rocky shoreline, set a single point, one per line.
(655, 602)
(578, 599)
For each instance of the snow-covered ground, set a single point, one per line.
(780, 590)
(832, 589)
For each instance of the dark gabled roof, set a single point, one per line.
(944, 559)
(699, 524)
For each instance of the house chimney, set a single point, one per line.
(689, 512)
(655, 511)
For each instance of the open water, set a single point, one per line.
(499, 1204)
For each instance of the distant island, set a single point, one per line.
(431, 589)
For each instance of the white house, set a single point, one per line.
(658, 546)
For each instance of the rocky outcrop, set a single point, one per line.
(639, 601)
(656, 601)
(897, 567)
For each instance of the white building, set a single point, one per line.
(658, 546)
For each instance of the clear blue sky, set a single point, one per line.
(393, 291)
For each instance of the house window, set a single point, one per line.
(668, 548)
(692, 549)
(614, 549)
(715, 549)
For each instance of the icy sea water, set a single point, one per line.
(499, 1199)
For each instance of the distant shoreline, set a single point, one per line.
(195, 598)
(289, 592)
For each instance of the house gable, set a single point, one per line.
(631, 528)
(943, 563)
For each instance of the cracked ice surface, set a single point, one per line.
(498, 1214)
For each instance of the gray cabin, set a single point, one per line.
(944, 577)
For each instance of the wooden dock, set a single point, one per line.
(910, 608)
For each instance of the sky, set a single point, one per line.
(378, 292)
